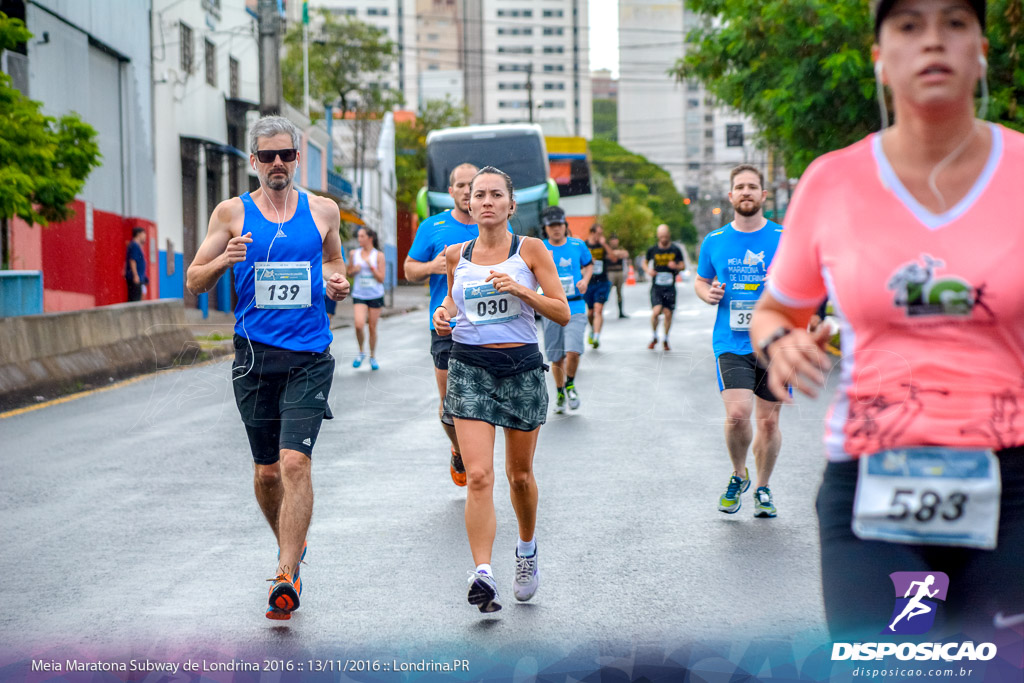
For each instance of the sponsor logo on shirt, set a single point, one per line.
(920, 292)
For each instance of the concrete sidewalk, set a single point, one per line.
(214, 332)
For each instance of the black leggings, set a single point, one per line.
(982, 583)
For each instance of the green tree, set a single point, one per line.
(606, 120)
(44, 161)
(622, 172)
(632, 220)
(347, 58)
(802, 69)
(411, 145)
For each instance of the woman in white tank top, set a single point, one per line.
(367, 291)
(496, 372)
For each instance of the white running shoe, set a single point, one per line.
(483, 592)
(527, 577)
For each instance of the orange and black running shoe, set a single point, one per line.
(458, 470)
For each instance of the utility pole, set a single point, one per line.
(529, 89)
(305, 57)
(270, 61)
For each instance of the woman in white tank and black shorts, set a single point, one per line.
(496, 372)
(367, 291)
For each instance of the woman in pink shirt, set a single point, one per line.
(913, 234)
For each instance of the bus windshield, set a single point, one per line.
(520, 156)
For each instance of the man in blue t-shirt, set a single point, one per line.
(135, 265)
(564, 345)
(733, 264)
(426, 259)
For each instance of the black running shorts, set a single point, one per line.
(743, 372)
(664, 296)
(986, 590)
(440, 349)
(281, 397)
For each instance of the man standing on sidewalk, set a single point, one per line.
(618, 261)
(284, 250)
(135, 264)
(734, 261)
(426, 259)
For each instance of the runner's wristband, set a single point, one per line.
(762, 348)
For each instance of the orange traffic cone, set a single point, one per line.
(631, 278)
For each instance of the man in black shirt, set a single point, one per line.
(664, 261)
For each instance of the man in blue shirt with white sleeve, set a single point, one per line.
(564, 345)
(733, 264)
(426, 259)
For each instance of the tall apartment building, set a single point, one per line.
(511, 45)
(679, 126)
(398, 20)
(439, 55)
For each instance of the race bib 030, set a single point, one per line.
(487, 306)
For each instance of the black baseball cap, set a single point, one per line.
(883, 7)
(552, 215)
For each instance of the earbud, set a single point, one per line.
(253, 164)
(983, 62)
(878, 69)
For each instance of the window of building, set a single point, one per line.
(710, 134)
(554, 13)
(433, 37)
(692, 102)
(511, 86)
(514, 31)
(734, 135)
(554, 104)
(344, 11)
(554, 49)
(692, 86)
(709, 118)
(554, 86)
(512, 104)
(433, 52)
(377, 11)
(527, 13)
(709, 151)
(515, 49)
(554, 31)
(187, 55)
(234, 86)
(511, 67)
(554, 67)
(693, 166)
(211, 62)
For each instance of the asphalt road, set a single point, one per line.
(130, 524)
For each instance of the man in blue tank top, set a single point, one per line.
(426, 259)
(734, 262)
(284, 251)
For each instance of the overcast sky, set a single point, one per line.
(604, 35)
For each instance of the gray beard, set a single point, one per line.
(275, 183)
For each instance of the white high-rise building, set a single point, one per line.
(397, 18)
(678, 126)
(510, 46)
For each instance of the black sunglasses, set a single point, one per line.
(266, 156)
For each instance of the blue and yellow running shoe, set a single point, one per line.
(730, 502)
(763, 504)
